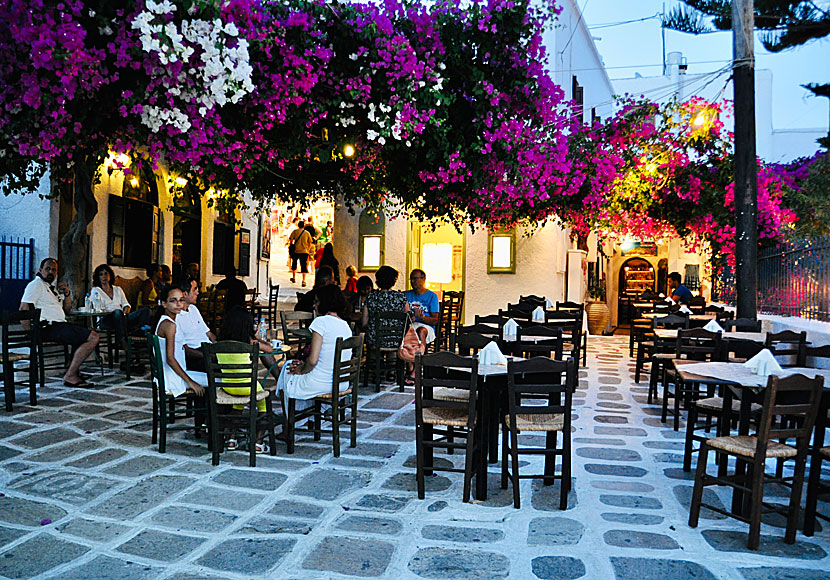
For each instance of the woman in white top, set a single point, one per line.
(176, 380)
(311, 377)
(106, 297)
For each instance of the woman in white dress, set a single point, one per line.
(306, 379)
(176, 380)
(107, 297)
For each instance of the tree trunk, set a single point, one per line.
(74, 242)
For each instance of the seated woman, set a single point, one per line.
(147, 293)
(351, 279)
(306, 379)
(384, 299)
(364, 287)
(110, 298)
(238, 325)
(176, 380)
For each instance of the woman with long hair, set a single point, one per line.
(108, 297)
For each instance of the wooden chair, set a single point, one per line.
(533, 300)
(294, 333)
(439, 421)
(166, 407)
(578, 308)
(538, 401)
(742, 325)
(789, 412)
(273, 299)
(790, 344)
(217, 309)
(553, 346)
(449, 318)
(657, 351)
(233, 366)
(21, 332)
(204, 303)
(691, 344)
(389, 330)
(819, 451)
(739, 350)
(336, 403)
(469, 343)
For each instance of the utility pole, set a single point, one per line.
(746, 184)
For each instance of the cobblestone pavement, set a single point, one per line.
(85, 495)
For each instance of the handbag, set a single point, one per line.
(411, 344)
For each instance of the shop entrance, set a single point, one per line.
(439, 252)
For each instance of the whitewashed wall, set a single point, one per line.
(27, 215)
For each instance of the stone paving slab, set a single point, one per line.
(84, 494)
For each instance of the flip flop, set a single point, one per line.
(81, 385)
(262, 448)
(231, 445)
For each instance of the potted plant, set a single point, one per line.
(596, 309)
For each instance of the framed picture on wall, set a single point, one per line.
(265, 237)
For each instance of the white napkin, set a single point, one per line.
(662, 295)
(763, 363)
(538, 314)
(669, 300)
(685, 309)
(510, 329)
(713, 326)
(491, 355)
(548, 303)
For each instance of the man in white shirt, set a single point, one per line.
(54, 304)
(190, 322)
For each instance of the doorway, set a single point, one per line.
(439, 252)
(187, 242)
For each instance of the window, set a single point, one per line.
(244, 252)
(371, 246)
(501, 252)
(578, 96)
(223, 243)
(133, 232)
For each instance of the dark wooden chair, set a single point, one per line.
(790, 345)
(21, 332)
(533, 300)
(167, 408)
(817, 356)
(233, 365)
(539, 400)
(440, 422)
(470, 343)
(294, 331)
(382, 355)
(551, 347)
(333, 406)
(789, 413)
(657, 351)
(691, 344)
(449, 319)
(491, 319)
(273, 300)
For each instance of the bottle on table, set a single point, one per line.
(88, 303)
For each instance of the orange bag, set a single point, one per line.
(411, 344)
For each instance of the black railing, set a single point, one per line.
(17, 268)
(723, 283)
(794, 279)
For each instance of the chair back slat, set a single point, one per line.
(541, 379)
(273, 301)
(789, 411)
(471, 342)
(448, 370)
(742, 325)
(491, 319)
(671, 321)
(698, 344)
(21, 329)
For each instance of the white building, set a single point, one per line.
(537, 264)
(771, 144)
(139, 222)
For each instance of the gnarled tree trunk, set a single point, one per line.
(74, 243)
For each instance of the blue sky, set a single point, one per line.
(637, 47)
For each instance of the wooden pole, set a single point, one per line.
(746, 185)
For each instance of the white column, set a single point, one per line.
(576, 275)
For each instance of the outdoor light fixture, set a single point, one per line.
(181, 182)
(372, 240)
(116, 161)
(348, 150)
(699, 120)
(134, 181)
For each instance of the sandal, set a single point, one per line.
(231, 445)
(262, 448)
(293, 281)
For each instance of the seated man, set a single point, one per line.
(236, 289)
(679, 293)
(54, 304)
(194, 328)
(424, 306)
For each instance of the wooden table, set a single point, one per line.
(701, 317)
(488, 424)
(740, 381)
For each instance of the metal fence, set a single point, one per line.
(17, 268)
(794, 279)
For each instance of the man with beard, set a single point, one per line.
(54, 303)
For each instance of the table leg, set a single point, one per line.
(482, 444)
(740, 502)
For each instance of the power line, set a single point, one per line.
(578, 20)
(622, 22)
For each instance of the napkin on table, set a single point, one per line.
(669, 299)
(763, 363)
(538, 314)
(491, 355)
(713, 326)
(510, 329)
(548, 303)
(685, 309)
